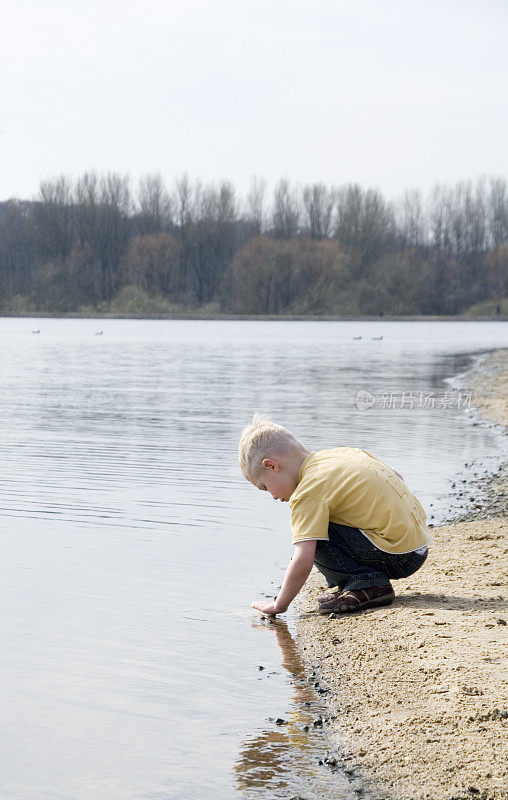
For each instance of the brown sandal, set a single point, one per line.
(358, 599)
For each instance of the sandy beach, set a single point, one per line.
(420, 689)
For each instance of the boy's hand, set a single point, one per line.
(267, 608)
(296, 575)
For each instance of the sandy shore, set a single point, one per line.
(490, 387)
(420, 689)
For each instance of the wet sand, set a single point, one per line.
(420, 689)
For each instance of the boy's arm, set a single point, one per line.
(296, 574)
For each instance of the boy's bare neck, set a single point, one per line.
(300, 457)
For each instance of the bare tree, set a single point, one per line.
(286, 213)
(365, 225)
(212, 239)
(154, 203)
(497, 263)
(318, 204)
(183, 202)
(256, 204)
(410, 219)
(441, 218)
(103, 211)
(19, 247)
(87, 201)
(54, 217)
(497, 212)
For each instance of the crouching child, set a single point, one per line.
(352, 516)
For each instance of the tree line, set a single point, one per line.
(97, 244)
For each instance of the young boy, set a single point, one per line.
(351, 515)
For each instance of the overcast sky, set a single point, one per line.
(387, 93)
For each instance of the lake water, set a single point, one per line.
(132, 547)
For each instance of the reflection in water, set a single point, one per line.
(284, 759)
(263, 761)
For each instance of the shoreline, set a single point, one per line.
(225, 317)
(488, 382)
(419, 689)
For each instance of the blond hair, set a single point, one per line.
(261, 439)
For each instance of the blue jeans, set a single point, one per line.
(351, 561)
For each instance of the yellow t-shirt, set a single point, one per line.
(349, 486)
